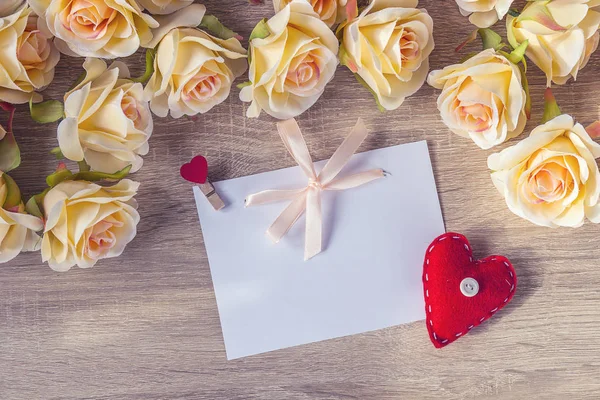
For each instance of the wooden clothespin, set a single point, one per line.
(196, 171)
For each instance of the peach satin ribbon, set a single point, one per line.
(309, 198)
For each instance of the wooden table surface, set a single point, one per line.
(146, 326)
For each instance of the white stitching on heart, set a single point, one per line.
(471, 260)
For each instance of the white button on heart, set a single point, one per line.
(469, 287)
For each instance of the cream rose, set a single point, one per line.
(86, 222)
(482, 98)
(28, 58)
(193, 71)
(95, 28)
(17, 228)
(330, 11)
(388, 47)
(484, 13)
(164, 6)
(291, 66)
(551, 178)
(107, 119)
(562, 35)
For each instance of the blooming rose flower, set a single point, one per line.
(28, 57)
(291, 66)
(389, 47)
(484, 13)
(107, 120)
(562, 35)
(17, 229)
(551, 178)
(193, 71)
(95, 28)
(482, 98)
(330, 11)
(164, 6)
(86, 222)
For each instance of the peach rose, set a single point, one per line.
(95, 28)
(562, 35)
(107, 119)
(28, 58)
(484, 13)
(388, 47)
(482, 98)
(551, 178)
(193, 71)
(86, 222)
(17, 228)
(290, 67)
(164, 6)
(330, 11)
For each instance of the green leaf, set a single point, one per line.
(13, 194)
(94, 176)
(362, 82)
(551, 108)
(35, 204)
(57, 153)
(10, 155)
(212, 24)
(513, 12)
(490, 39)
(260, 31)
(244, 84)
(61, 174)
(47, 111)
(150, 54)
(518, 54)
(83, 166)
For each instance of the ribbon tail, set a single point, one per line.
(355, 180)
(314, 225)
(287, 218)
(294, 143)
(270, 196)
(343, 153)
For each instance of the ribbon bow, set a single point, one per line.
(309, 198)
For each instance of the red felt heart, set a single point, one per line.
(196, 170)
(450, 312)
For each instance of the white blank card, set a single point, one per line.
(367, 277)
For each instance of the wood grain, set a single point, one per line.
(145, 326)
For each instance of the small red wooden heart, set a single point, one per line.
(196, 170)
(453, 303)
